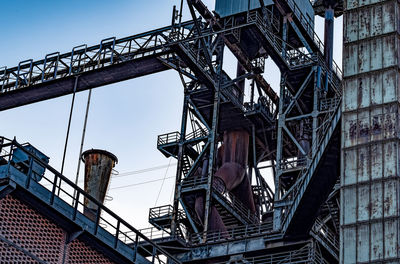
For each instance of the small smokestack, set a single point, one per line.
(98, 167)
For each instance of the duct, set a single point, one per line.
(230, 175)
(98, 167)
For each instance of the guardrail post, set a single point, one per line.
(3, 78)
(28, 179)
(117, 234)
(76, 203)
(53, 192)
(96, 227)
(154, 252)
(135, 247)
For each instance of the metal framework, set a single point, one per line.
(294, 137)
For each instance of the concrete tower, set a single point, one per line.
(370, 142)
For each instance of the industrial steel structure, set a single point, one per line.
(259, 177)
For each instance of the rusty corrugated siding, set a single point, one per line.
(370, 145)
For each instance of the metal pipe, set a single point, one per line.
(328, 39)
(83, 139)
(69, 123)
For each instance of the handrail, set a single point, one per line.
(80, 194)
(306, 254)
(174, 137)
(326, 234)
(240, 232)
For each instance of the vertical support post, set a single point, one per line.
(315, 112)
(279, 151)
(284, 35)
(261, 192)
(97, 222)
(281, 122)
(180, 163)
(76, 201)
(328, 36)
(328, 45)
(252, 93)
(240, 70)
(117, 234)
(135, 247)
(213, 136)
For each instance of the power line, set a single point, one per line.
(140, 183)
(128, 173)
(162, 185)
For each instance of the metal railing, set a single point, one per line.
(61, 189)
(81, 59)
(296, 57)
(235, 233)
(161, 211)
(304, 255)
(168, 138)
(237, 206)
(292, 56)
(155, 234)
(193, 182)
(329, 104)
(326, 234)
(294, 163)
(164, 211)
(174, 137)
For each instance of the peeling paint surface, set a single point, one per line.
(370, 133)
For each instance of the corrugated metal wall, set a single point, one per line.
(370, 145)
(25, 234)
(230, 7)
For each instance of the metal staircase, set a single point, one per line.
(316, 174)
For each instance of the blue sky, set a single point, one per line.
(125, 118)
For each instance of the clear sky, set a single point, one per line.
(125, 118)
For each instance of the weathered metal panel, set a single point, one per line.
(376, 201)
(390, 82)
(230, 7)
(368, 22)
(363, 235)
(349, 214)
(349, 246)
(350, 165)
(376, 88)
(376, 241)
(363, 164)
(391, 235)
(349, 95)
(364, 203)
(370, 143)
(376, 161)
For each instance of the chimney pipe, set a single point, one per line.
(98, 167)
